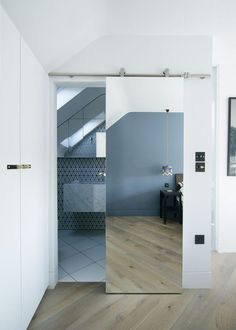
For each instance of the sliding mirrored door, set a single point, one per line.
(144, 207)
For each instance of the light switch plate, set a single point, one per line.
(200, 167)
(200, 156)
(199, 239)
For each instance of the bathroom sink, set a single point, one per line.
(84, 197)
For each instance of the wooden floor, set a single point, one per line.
(143, 255)
(87, 307)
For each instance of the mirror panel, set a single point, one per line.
(143, 255)
(232, 137)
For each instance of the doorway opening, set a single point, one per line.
(189, 278)
(81, 182)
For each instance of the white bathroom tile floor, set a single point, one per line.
(81, 256)
(101, 263)
(85, 244)
(96, 253)
(61, 273)
(91, 273)
(99, 239)
(67, 278)
(63, 233)
(72, 239)
(74, 263)
(65, 251)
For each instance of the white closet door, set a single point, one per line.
(34, 182)
(9, 179)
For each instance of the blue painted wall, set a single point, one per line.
(136, 151)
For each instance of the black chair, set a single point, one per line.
(179, 177)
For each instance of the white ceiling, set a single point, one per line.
(56, 30)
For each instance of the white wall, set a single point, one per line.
(197, 186)
(100, 144)
(34, 128)
(224, 54)
(130, 94)
(153, 54)
(143, 54)
(68, 29)
(225, 60)
(24, 130)
(226, 185)
(10, 281)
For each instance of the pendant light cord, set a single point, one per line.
(167, 136)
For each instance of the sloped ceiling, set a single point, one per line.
(57, 30)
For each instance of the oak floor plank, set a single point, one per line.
(143, 255)
(90, 308)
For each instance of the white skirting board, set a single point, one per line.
(197, 280)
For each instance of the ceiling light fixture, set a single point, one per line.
(167, 169)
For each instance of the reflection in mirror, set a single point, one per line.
(232, 137)
(143, 254)
(81, 187)
(79, 119)
(144, 207)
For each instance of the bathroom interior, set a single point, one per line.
(81, 183)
